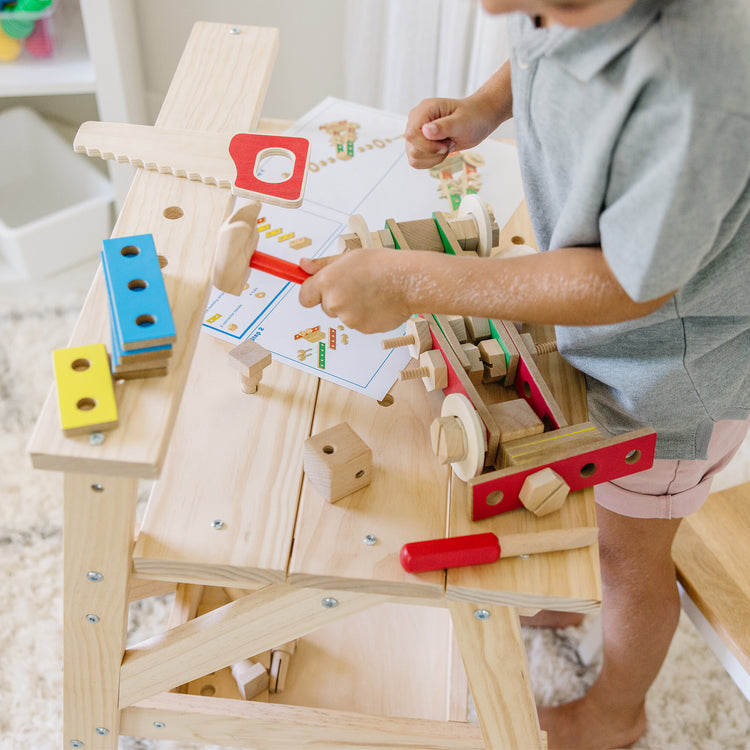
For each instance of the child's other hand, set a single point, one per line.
(362, 288)
(436, 127)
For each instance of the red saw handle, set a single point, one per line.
(453, 552)
(278, 267)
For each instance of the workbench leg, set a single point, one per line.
(492, 648)
(99, 521)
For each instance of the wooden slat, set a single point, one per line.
(495, 661)
(99, 518)
(267, 727)
(237, 458)
(713, 559)
(406, 500)
(263, 619)
(219, 86)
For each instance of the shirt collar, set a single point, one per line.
(585, 52)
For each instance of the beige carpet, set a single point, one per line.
(692, 706)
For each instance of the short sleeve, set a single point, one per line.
(676, 172)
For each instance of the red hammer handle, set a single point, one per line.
(278, 267)
(453, 552)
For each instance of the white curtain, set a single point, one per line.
(399, 52)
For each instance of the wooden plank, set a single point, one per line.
(267, 727)
(235, 458)
(712, 558)
(495, 660)
(397, 655)
(218, 87)
(565, 581)
(98, 527)
(405, 500)
(259, 621)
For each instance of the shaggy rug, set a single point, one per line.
(692, 706)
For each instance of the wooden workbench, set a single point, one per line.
(377, 669)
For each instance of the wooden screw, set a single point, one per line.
(432, 370)
(417, 338)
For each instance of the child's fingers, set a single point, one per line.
(428, 137)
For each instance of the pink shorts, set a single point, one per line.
(673, 488)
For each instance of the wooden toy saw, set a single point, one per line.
(227, 161)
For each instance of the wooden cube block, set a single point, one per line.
(516, 419)
(337, 462)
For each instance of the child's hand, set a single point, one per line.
(362, 288)
(436, 127)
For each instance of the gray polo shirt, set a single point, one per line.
(635, 136)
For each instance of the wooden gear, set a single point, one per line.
(231, 509)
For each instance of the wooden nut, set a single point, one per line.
(544, 492)
(448, 439)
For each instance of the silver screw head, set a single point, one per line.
(329, 602)
(217, 524)
(235, 30)
(92, 619)
(159, 724)
(96, 438)
(370, 540)
(94, 576)
(76, 743)
(482, 614)
(103, 731)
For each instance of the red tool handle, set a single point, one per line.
(278, 267)
(453, 552)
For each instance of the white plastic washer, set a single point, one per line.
(472, 205)
(457, 405)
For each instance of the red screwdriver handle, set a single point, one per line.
(278, 267)
(453, 552)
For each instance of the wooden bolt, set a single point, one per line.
(432, 369)
(251, 678)
(281, 658)
(544, 492)
(417, 338)
(250, 359)
(448, 439)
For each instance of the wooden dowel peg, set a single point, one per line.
(432, 369)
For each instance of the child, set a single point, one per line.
(633, 126)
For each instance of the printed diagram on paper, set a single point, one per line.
(357, 166)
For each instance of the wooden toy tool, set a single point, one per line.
(236, 254)
(227, 161)
(478, 549)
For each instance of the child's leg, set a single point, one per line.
(640, 611)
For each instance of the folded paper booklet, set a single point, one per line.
(357, 166)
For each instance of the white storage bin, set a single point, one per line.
(55, 207)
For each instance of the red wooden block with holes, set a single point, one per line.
(249, 149)
(497, 492)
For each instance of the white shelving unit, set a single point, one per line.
(96, 53)
(68, 71)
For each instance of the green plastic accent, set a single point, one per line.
(321, 355)
(446, 244)
(496, 336)
(395, 242)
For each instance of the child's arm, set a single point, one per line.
(377, 290)
(438, 126)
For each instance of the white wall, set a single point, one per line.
(309, 66)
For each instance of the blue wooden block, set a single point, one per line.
(142, 315)
(119, 355)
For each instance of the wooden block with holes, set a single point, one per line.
(544, 492)
(85, 394)
(337, 462)
(138, 298)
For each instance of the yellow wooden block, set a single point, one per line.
(85, 393)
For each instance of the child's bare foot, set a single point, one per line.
(582, 725)
(549, 618)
